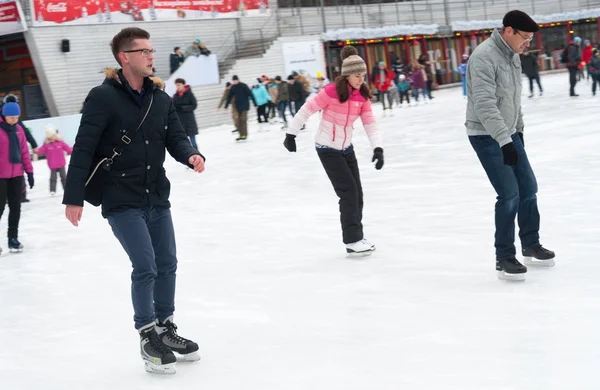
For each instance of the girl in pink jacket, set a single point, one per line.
(342, 103)
(14, 156)
(54, 148)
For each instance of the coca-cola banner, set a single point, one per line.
(11, 17)
(51, 12)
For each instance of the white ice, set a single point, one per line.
(265, 288)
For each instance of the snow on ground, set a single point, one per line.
(265, 288)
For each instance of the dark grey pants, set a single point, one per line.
(63, 178)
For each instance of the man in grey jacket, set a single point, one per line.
(495, 129)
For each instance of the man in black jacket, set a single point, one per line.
(135, 194)
(242, 95)
(573, 60)
(531, 66)
(175, 59)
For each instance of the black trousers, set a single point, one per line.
(261, 113)
(342, 170)
(572, 79)
(535, 78)
(11, 190)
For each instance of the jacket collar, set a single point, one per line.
(502, 45)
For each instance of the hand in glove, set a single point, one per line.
(290, 142)
(511, 157)
(378, 155)
(30, 180)
(521, 136)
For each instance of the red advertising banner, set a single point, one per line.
(51, 12)
(11, 18)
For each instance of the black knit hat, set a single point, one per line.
(519, 20)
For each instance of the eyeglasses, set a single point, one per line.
(145, 52)
(525, 38)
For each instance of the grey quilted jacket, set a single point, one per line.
(494, 91)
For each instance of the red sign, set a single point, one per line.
(11, 20)
(48, 12)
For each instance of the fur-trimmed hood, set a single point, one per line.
(113, 73)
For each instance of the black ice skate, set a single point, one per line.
(167, 333)
(14, 245)
(510, 269)
(157, 357)
(538, 255)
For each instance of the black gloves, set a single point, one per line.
(378, 155)
(511, 156)
(30, 180)
(521, 136)
(290, 142)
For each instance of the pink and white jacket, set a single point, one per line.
(337, 122)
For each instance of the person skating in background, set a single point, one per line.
(10, 98)
(426, 64)
(403, 86)
(283, 99)
(242, 95)
(586, 56)
(185, 104)
(14, 159)
(54, 148)
(573, 61)
(419, 82)
(262, 99)
(234, 113)
(301, 87)
(595, 70)
(293, 94)
(531, 68)
(134, 191)
(273, 89)
(175, 59)
(462, 71)
(384, 82)
(352, 97)
(495, 127)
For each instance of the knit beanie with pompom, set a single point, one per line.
(351, 62)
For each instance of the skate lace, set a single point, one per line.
(156, 345)
(172, 334)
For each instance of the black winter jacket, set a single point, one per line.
(530, 65)
(242, 93)
(175, 62)
(573, 56)
(185, 106)
(137, 178)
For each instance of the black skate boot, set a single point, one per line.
(157, 357)
(538, 255)
(510, 269)
(14, 245)
(167, 332)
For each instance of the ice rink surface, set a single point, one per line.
(265, 288)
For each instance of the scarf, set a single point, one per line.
(14, 146)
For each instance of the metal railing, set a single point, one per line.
(300, 17)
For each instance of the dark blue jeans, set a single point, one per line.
(193, 141)
(516, 188)
(148, 237)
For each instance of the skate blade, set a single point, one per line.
(163, 369)
(538, 263)
(190, 357)
(15, 250)
(357, 255)
(510, 277)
